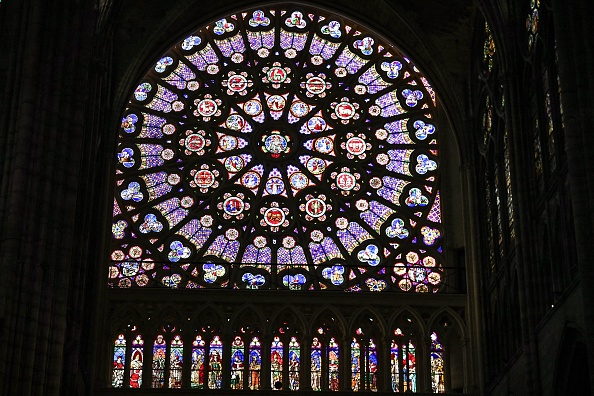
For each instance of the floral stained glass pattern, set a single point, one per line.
(279, 148)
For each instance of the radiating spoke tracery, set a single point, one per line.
(279, 148)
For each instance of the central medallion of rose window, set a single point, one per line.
(276, 144)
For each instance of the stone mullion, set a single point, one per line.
(573, 33)
(522, 211)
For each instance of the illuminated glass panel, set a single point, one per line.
(137, 362)
(276, 362)
(299, 145)
(119, 361)
(215, 364)
(403, 363)
(532, 22)
(294, 363)
(508, 185)
(395, 366)
(371, 366)
(316, 364)
(198, 359)
(410, 368)
(176, 360)
(237, 363)
(355, 365)
(437, 365)
(159, 357)
(488, 48)
(255, 365)
(333, 364)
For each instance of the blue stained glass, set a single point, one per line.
(175, 216)
(435, 212)
(344, 58)
(150, 149)
(355, 64)
(286, 39)
(195, 233)
(203, 58)
(225, 47)
(230, 252)
(329, 50)
(359, 232)
(217, 246)
(165, 94)
(317, 253)
(212, 190)
(254, 255)
(317, 44)
(331, 249)
(151, 127)
(348, 240)
(159, 104)
(372, 219)
(382, 210)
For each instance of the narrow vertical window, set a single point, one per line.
(119, 361)
(333, 364)
(255, 363)
(276, 362)
(355, 365)
(410, 368)
(176, 360)
(197, 372)
(316, 364)
(215, 367)
(403, 363)
(437, 365)
(136, 364)
(395, 366)
(371, 366)
(237, 363)
(159, 355)
(294, 363)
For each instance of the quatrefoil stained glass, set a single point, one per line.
(279, 148)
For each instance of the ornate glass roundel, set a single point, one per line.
(279, 148)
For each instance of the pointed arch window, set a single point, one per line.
(176, 361)
(294, 363)
(119, 361)
(159, 361)
(277, 354)
(237, 363)
(198, 358)
(325, 359)
(137, 361)
(437, 365)
(255, 364)
(215, 363)
(403, 363)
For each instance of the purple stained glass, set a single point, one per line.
(198, 165)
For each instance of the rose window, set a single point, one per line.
(279, 148)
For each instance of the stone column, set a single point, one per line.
(574, 33)
(46, 160)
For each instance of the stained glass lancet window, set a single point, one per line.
(437, 365)
(279, 148)
(403, 363)
(119, 361)
(137, 362)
